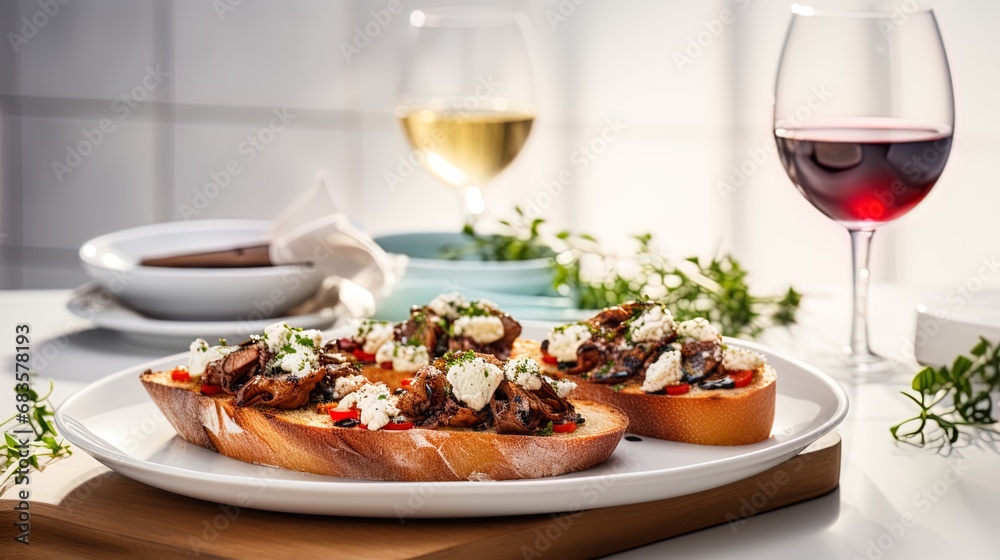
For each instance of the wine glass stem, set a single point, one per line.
(861, 241)
(473, 204)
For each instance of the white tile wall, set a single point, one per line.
(10, 13)
(623, 60)
(97, 49)
(7, 230)
(969, 33)
(262, 54)
(652, 180)
(110, 189)
(267, 179)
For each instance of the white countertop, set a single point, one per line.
(895, 501)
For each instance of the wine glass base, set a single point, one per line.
(862, 368)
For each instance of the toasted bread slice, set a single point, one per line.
(306, 440)
(708, 417)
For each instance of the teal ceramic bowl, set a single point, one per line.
(531, 277)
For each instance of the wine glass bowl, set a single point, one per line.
(863, 121)
(863, 172)
(466, 101)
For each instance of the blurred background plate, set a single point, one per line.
(99, 306)
(396, 306)
(521, 288)
(198, 294)
(528, 277)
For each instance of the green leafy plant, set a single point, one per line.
(596, 278)
(44, 445)
(950, 398)
(519, 240)
(716, 290)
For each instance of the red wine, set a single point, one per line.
(864, 171)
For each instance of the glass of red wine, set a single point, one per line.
(863, 120)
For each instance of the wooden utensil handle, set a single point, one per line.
(240, 257)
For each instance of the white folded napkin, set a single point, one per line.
(314, 230)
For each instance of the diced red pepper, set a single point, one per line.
(363, 356)
(549, 358)
(564, 428)
(741, 378)
(211, 389)
(406, 382)
(386, 365)
(349, 414)
(398, 426)
(363, 426)
(678, 389)
(179, 374)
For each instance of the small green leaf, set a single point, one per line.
(924, 380)
(961, 366)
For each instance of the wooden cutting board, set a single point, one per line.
(81, 509)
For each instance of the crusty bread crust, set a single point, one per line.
(305, 440)
(720, 417)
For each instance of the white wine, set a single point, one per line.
(466, 149)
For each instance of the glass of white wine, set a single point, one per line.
(466, 98)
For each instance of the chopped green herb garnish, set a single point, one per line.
(454, 358)
(546, 431)
(305, 341)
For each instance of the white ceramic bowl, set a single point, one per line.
(946, 329)
(112, 261)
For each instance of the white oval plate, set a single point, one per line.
(115, 421)
(97, 305)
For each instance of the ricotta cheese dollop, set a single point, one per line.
(473, 381)
(666, 370)
(346, 385)
(562, 387)
(698, 330)
(375, 403)
(482, 329)
(371, 335)
(741, 359)
(202, 354)
(523, 372)
(654, 324)
(564, 341)
(448, 305)
(402, 356)
(295, 350)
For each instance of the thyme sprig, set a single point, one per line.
(595, 277)
(954, 397)
(716, 290)
(514, 240)
(44, 447)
